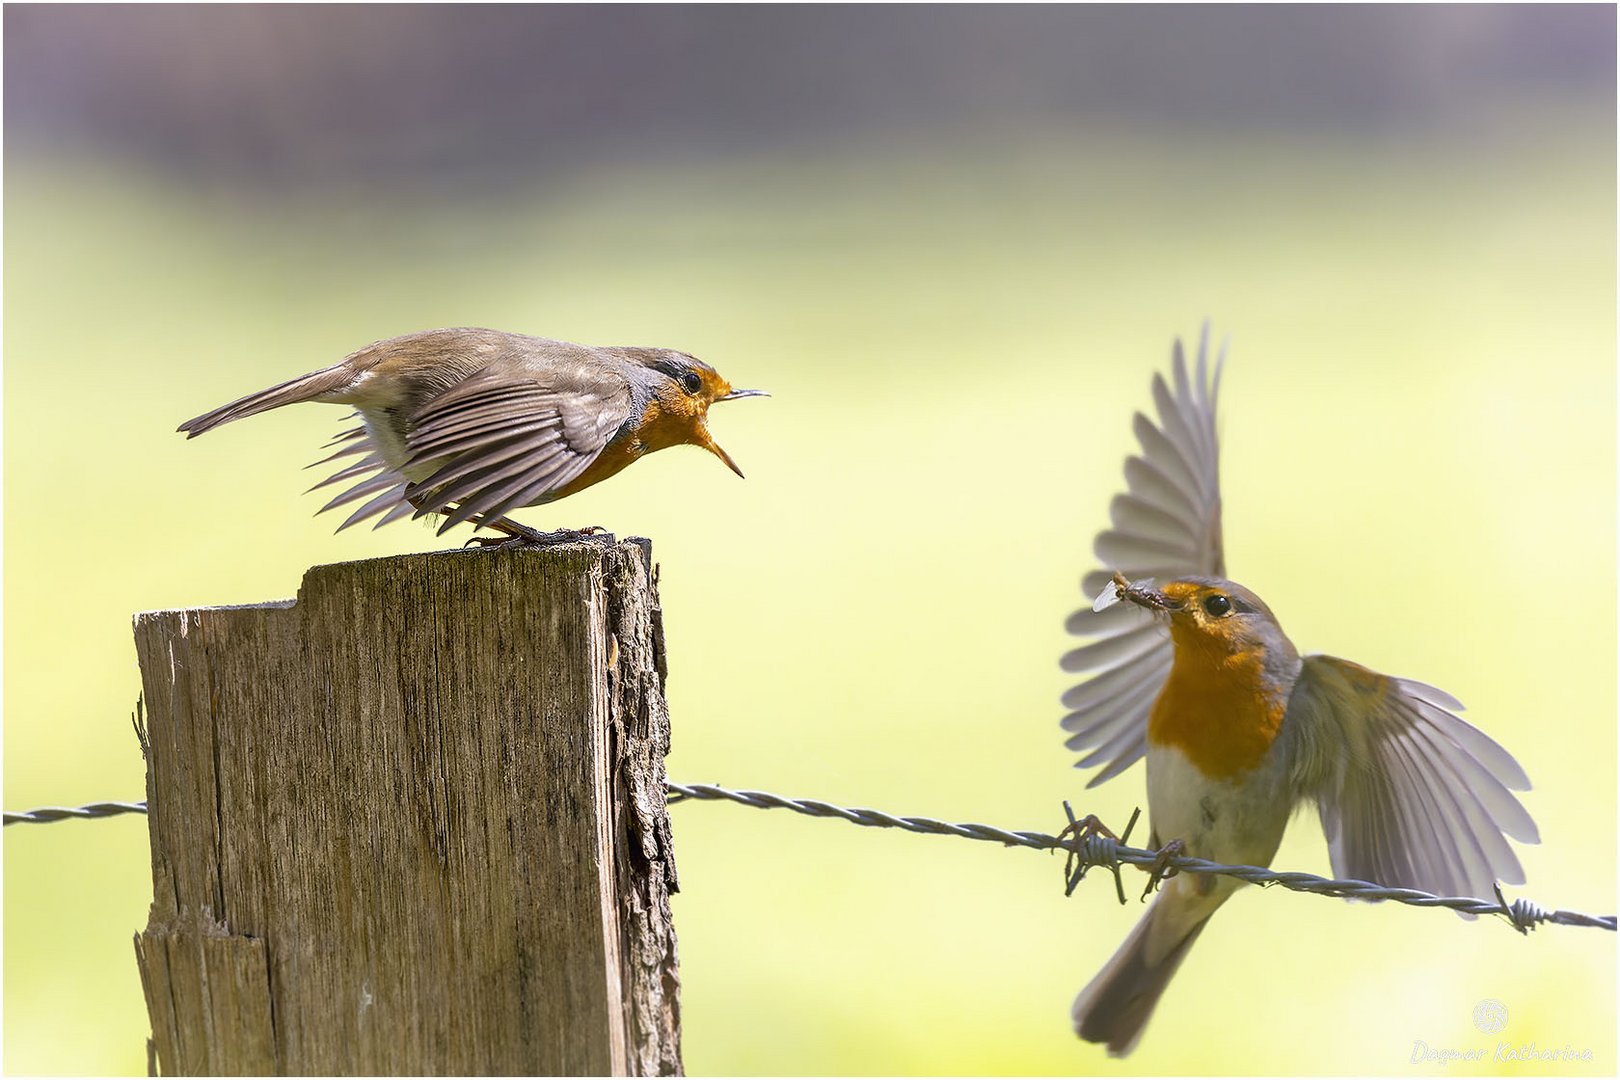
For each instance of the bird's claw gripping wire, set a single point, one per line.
(1161, 869)
(1094, 844)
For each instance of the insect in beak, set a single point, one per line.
(1141, 593)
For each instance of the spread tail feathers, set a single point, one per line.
(1118, 1002)
(314, 386)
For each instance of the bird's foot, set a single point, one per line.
(1084, 830)
(523, 536)
(1160, 869)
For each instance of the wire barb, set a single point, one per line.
(1098, 847)
(1090, 845)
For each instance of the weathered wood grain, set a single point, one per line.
(414, 822)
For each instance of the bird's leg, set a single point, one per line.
(517, 533)
(1160, 869)
(511, 530)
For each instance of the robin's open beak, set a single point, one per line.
(714, 448)
(705, 440)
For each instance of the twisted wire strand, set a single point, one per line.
(44, 815)
(1086, 850)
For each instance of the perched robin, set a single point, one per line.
(473, 423)
(1238, 728)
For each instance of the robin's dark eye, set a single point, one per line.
(692, 382)
(1217, 605)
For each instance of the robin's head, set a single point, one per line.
(1211, 615)
(681, 390)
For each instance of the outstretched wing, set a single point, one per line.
(1166, 525)
(496, 442)
(1410, 794)
(381, 486)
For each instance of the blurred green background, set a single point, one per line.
(954, 245)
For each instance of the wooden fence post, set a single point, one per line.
(413, 822)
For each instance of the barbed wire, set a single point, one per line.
(1089, 846)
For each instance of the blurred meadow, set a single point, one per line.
(957, 308)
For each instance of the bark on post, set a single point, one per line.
(413, 822)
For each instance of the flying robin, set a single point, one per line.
(1238, 728)
(472, 423)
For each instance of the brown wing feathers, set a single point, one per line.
(1425, 798)
(1166, 525)
(494, 445)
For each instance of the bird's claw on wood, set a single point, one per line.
(523, 536)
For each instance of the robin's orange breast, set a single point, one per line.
(1218, 710)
